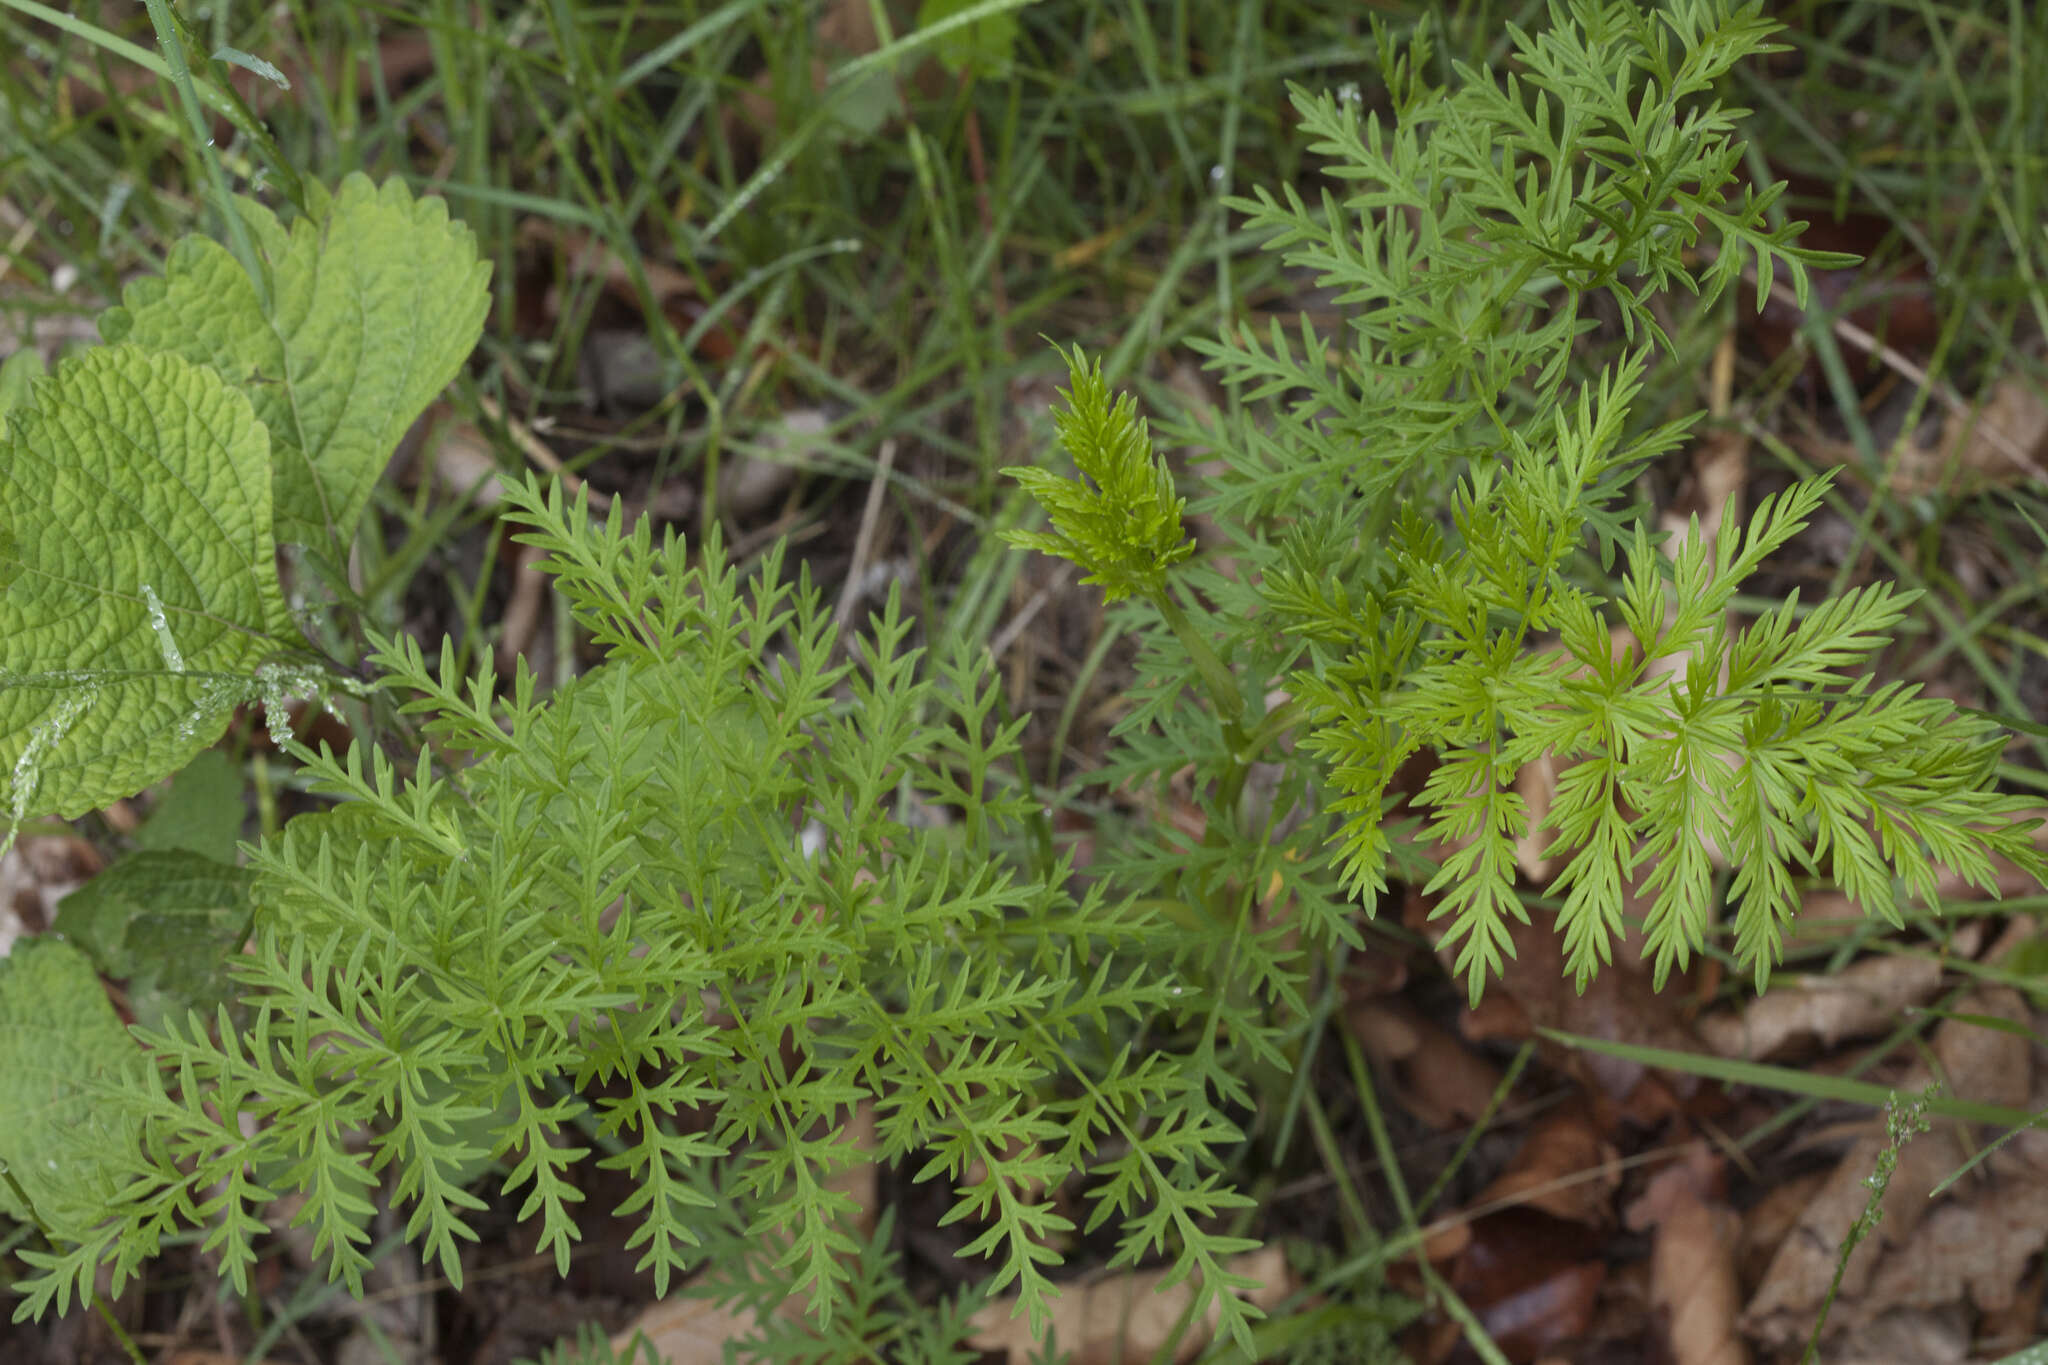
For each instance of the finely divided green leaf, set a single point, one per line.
(140, 576)
(376, 302)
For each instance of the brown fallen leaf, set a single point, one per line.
(1125, 1317)
(1864, 998)
(1796, 1282)
(1693, 1288)
(1910, 1336)
(1618, 1004)
(1438, 1077)
(1563, 1167)
(688, 1331)
(1977, 1063)
(1768, 1221)
(1999, 442)
(35, 875)
(1973, 1250)
(1532, 1279)
(2003, 1330)
(1983, 1063)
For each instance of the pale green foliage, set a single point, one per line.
(681, 875)
(1121, 520)
(17, 372)
(166, 921)
(145, 486)
(681, 916)
(200, 812)
(140, 575)
(1413, 504)
(61, 1049)
(376, 300)
(1768, 745)
(1468, 234)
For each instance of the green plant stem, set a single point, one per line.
(99, 1302)
(1275, 723)
(1217, 678)
(266, 797)
(1903, 1120)
(180, 73)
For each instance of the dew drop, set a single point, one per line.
(28, 765)
(1216, 174)
(271, 678)
(174, 659)
(277, 684)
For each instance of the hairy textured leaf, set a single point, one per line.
(58, 1037)
(377, 299)
(17, 372)
(140, 579)
(201, 813)
(167, 922)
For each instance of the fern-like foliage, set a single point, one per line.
(1121, 520)
(677, 918)
(1414, 504)
(678, 880)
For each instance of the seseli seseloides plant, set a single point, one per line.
(683, 918)
(679, 918)
(1412, 505)
(678, 880)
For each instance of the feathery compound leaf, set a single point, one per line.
(376, 302)
(1121, 520)
(140, 580)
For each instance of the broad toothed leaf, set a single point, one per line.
(166, 922)
(375, 303)
(58, 1037)
(17, 372)
(139, 575)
